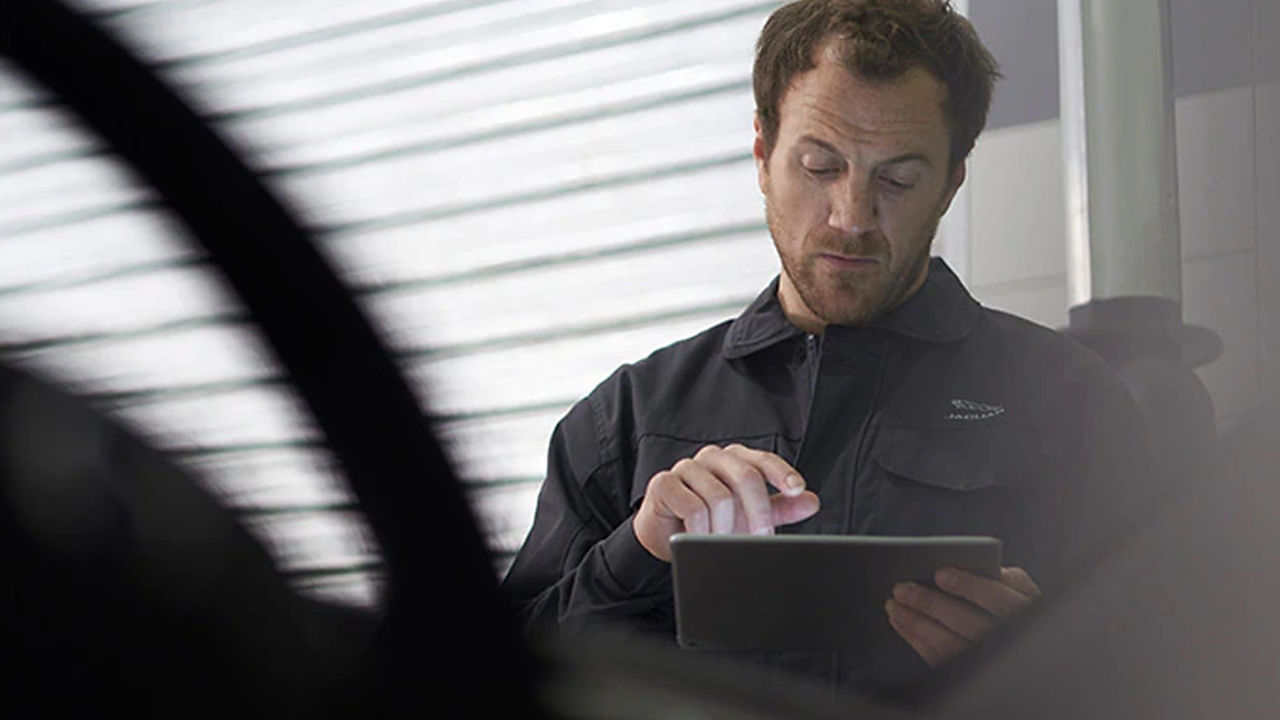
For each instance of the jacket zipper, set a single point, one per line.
(812, 359)
(812, 349)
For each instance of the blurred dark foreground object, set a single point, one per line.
(129, 587)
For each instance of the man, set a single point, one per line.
(864, 391)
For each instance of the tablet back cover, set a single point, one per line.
(805, 592)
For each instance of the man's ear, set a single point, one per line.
(759, 152)
(953, 184)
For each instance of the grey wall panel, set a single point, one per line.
(1266, 42)
(1267, 206)
(1220, 292)
(1211, 45)
(1212, 50)
(1023, 37)
(1017, 202)
(1216, 156)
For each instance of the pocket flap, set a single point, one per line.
(962, 459)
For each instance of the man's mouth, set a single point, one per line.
(850, 262)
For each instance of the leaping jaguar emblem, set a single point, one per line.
(970, 410)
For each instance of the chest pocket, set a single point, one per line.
(655, 453)
(965, 481)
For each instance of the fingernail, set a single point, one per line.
(915, 594)
(946, 578)
(793, 482)
(901, 591)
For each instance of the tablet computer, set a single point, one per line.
(805, 592)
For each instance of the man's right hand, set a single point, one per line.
(721, 491)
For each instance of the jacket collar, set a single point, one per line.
(940, 311)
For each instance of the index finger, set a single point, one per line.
(1019, 580)
(777, 472)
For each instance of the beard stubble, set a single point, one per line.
(855, 299)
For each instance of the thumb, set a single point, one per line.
(788, 510)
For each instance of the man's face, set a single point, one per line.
(854, 188)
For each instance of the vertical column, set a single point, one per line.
(952, 239)
(1118, 142)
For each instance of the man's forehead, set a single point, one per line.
(834, 72)
(831, 104)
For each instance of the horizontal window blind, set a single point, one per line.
(523, 194)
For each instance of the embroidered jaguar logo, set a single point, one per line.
(970, 410)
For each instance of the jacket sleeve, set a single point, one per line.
(581, 562)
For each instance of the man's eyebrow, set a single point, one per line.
(822, 144)
(906, 157)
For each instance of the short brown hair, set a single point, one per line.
(879, 40)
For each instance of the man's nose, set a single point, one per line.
(853, 207)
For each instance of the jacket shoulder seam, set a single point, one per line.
(604, 454)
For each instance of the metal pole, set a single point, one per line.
(953, 241)
(1118, 142)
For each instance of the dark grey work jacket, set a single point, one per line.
(943, 417)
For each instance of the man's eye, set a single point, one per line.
(822, 170)
(896, 184)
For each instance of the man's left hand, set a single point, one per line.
(941, 623)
